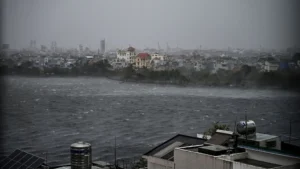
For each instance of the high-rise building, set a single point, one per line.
(80, 48)
(53, 46)
(5, 46)
(102, 46)
(43, 48)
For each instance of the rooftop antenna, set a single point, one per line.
(158, 46)
(290, 131)
(234, 129)
(246, 120)
(115, 152)
(46, 157)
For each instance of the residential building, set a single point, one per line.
(162, 156)
(157, 64)
(199, 65)
(143, 60)
(5, 46)
(221, 151)
(209, 156)
(271, 66)
(260, 140)
(89, 57)
(158, 56)
(119, 63)
(216, 65)
(128, 55)
(102, 46)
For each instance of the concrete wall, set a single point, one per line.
(185, 159)
(158, 163)
(237, 165)
(278, 143)
(236, 156)
(294, 166)
(272, 158)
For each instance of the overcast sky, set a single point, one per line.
(144, 23)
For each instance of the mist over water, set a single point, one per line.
(49, 114)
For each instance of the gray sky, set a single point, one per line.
(143, 23)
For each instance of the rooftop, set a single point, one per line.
(257, 163)
(220, 138)
(165, 150)
(143, 55)
(259, 137)
(69, 167)
(80, 144)
(214, 148)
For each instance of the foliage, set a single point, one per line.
(216, 126)
(140, 164)
(245, 76)
(129, 72)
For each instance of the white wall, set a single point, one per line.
(185, 159)
(272, 158)
(237, 165)
(158, 163)
(278, 143)
(161, 57)
(126, 56)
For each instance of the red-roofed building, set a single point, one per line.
(143, 60)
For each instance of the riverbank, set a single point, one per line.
(166, 83)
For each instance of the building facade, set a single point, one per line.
(143, 60)
(103, 46)
(217, 157)
(127, 55)
(271, 66)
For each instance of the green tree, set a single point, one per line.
(140, 164)
(129, 72)
(216, 126)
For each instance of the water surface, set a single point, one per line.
(48, 114)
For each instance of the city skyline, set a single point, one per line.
(249, 25)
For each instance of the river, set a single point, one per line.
(49, 114)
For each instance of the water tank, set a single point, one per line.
(81, 155)
(243, 130)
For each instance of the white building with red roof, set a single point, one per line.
(143, 60)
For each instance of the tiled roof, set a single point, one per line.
(144, 55)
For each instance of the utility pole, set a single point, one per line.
(290, 131)
(115, 152)
(46, 157)
(234, 125)
(246, 127)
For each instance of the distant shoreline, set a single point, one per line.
(160, 83)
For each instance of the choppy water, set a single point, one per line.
(48, 114)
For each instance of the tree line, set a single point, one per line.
(247, 76)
